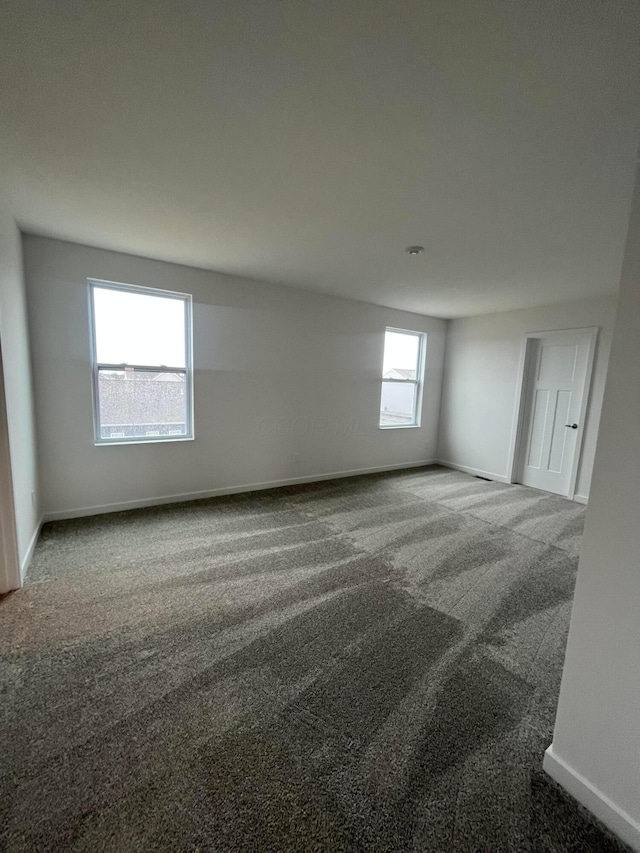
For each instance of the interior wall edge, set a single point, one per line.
(28, 555)
(592, 798)
(21, 454)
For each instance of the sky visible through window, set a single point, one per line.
(136, 328)
(398, 399)
(400, 352)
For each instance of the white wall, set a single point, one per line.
(18, 387)
(596, 743)
(278, 372)
(481, 376)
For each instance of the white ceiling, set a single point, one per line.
(308, 142)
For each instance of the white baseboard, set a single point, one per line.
(615, 818)
(227, 490)
(26, 560)
(499, 478)
(477, 472)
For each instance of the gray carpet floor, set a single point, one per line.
(369, 664)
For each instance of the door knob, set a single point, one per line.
(572, 426)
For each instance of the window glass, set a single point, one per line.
(397, 404)
(401, 352)
(138, 328)
(139, 404)
(142, 371)
(401, 378)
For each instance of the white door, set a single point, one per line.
(556, 387)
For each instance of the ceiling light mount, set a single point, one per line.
(414, 250)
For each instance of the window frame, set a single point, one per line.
(418, 382)
(97, 366)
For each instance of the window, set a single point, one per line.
(402, 371)
(142, 375)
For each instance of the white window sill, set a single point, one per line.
(398, 426)
(154, 440)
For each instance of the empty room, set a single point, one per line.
(319, 447)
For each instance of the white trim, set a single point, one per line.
(398, 426)
(477, 472)
(227, 490)
(615, 818)
(9, 556)
(121, 442)
(518, 414)
(26, 560)
(418, 382)
(519, 409)
(581, 499)
(96, 366)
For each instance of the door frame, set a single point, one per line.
(10, 576)
(517, 429)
